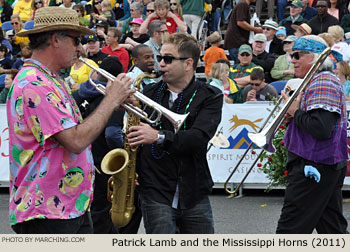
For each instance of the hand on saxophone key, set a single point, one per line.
(119, 90)
(142, 134)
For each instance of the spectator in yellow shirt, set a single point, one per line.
(80, 71)
(24, 9)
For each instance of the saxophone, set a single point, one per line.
(121, 165)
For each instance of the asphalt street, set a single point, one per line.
(256, 212)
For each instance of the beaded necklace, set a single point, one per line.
(180, 97)
(56, 82)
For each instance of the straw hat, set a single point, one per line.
(305, 28)
(56, 19)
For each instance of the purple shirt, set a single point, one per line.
(46, 180)
(324, 92)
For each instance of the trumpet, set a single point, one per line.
(176, 119)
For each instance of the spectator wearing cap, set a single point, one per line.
(308, 11)
(302, 30)
(94, 50)
(240, 72)
(261, 57)
(294, 17)
(273, 44)
(323, 20)
(239, 25)
(101, 31)
(258, 89)
(136, 11)
(283, 69)
(114, 49)
(214, 52)
(281, 33)
(133, 38)
(110, 138)
(157, 29)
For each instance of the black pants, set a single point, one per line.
(80, 225)
(100, 208)
(309, 205)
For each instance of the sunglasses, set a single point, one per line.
(296, 55)
(245, 54)
(169, 59)
(150, 11)
(76, 40)
(163, 31)
(96, 3)
(255, 84)
(287, 42)
(38, 2)
(14, 23)
(173, 4)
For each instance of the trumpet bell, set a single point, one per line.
(115, 161)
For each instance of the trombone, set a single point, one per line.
(176, 119)
(234, 192)
(263, 138)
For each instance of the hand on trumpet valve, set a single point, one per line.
(293, 107)
(142, 134)
(119, 90)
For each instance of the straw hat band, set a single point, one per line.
(57, 20)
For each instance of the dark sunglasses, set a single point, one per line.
(14, 23)
(169, 59)
(150, 11)
(296, 55)
(287, 42)
(76, 40)
(38, 2)
(96, 3)
(173, 4)
(255, 84)
(245, 54)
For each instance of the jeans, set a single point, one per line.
(160, 218)
(79, 225)
(281, 5)
(233, 53)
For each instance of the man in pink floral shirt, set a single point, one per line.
(51, 166)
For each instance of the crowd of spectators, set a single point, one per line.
(122, 25)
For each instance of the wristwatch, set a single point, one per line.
(161, 137)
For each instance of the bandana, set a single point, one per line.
(309, 45)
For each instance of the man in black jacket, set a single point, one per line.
(261, 57)
(174, 176)
(323, 20)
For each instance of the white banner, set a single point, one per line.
(237, 121)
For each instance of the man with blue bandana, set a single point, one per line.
(316, 140)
